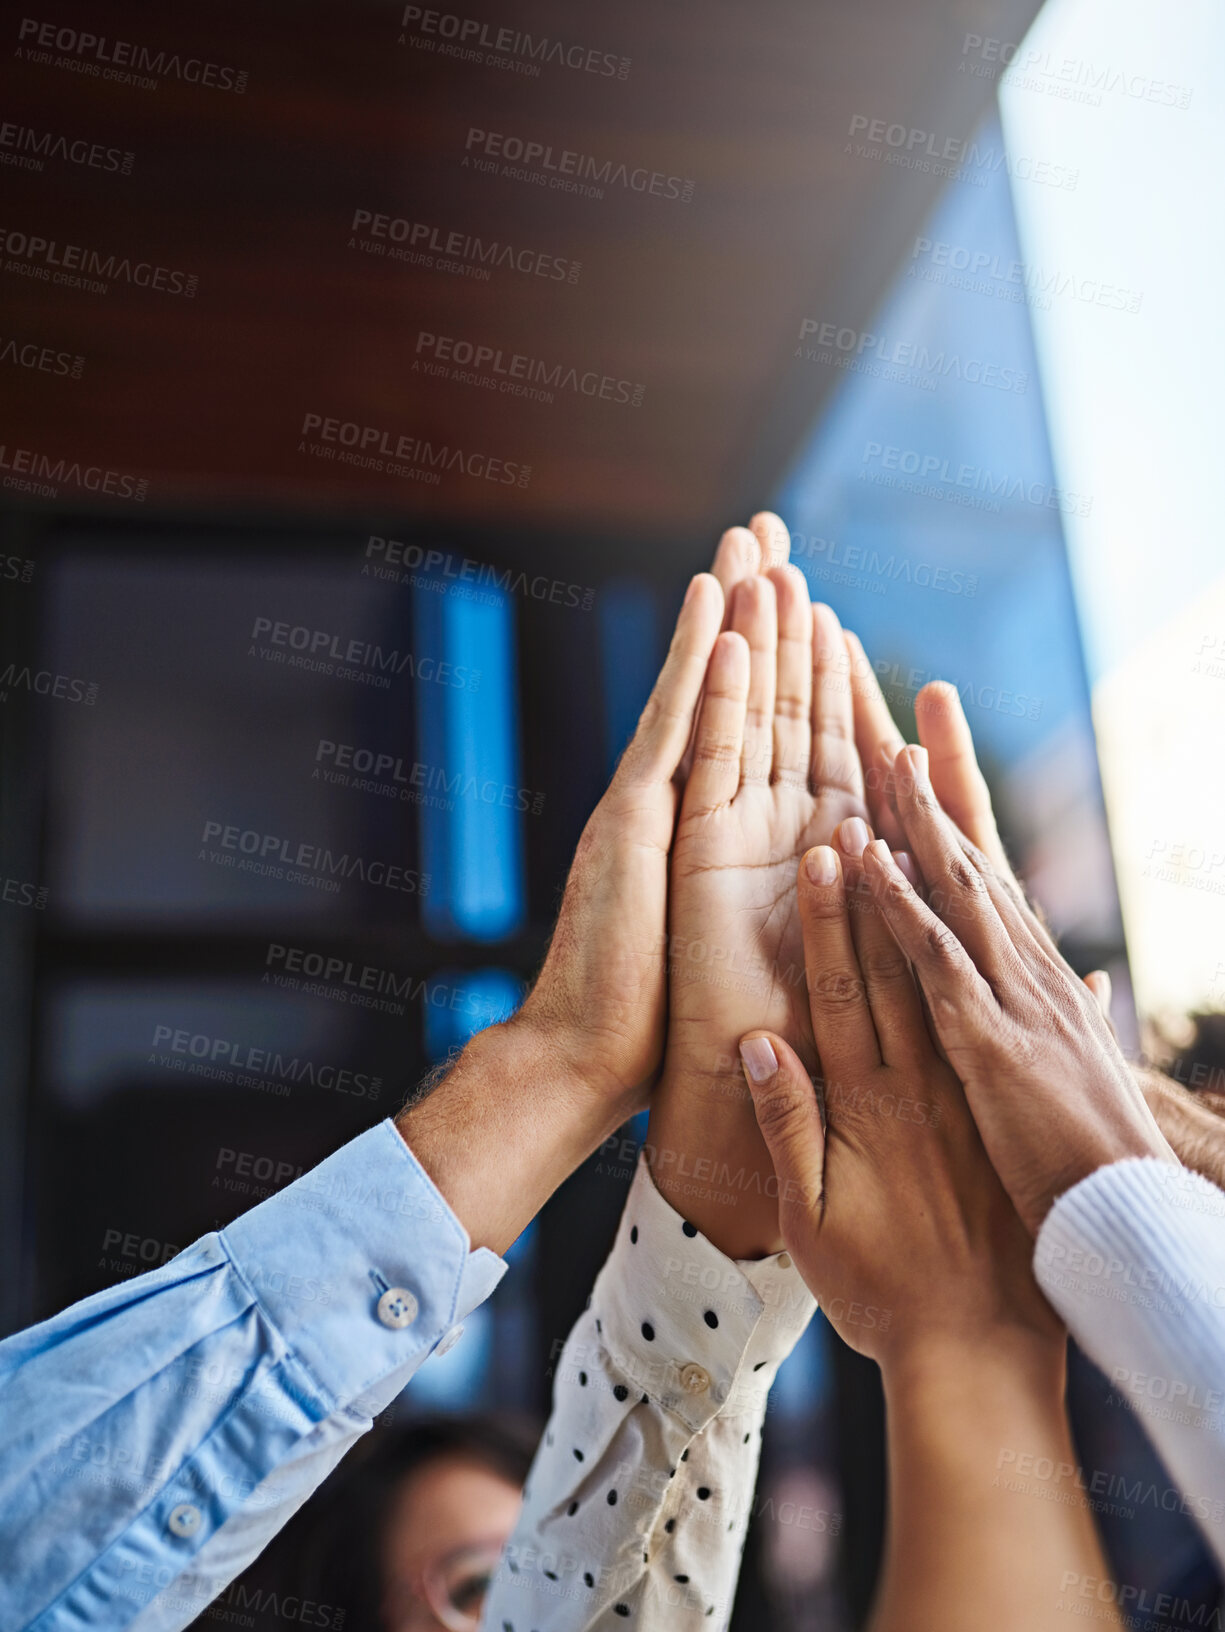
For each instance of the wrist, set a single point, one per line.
(708, 1160)
(507, 1124)
(962, 1371)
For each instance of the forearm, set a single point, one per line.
(643, 1483)
(980, 1532)
(512, 1119)
(1133, 1259)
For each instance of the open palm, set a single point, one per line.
(774, 771)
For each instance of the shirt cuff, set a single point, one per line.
(1129, 1234)
(698, 1332)
(360, 1265)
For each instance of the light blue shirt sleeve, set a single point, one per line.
(154, 1437)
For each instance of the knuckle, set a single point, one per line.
(963, 876)
(884, 964)
(836, 990)
(717, 750)
(941, 945)
(782, 1109)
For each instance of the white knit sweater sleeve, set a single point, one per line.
(1133, 1258)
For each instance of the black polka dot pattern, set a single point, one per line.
(714, 1456)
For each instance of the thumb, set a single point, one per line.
(789, 1117)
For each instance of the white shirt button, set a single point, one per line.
(784, 1260)
(449, 1340)
(184, 1519)
(397, 1308)
(695, 1379)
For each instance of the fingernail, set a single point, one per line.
(821, 865)
(880, 851)
(906, 866)
(918, 763)
(853, 836)
(760, 1060)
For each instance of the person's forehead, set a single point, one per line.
(448, 1502)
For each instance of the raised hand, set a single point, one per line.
(1052, 1095)
(602, 993)
(530, 1099)
(904, 1234)
(774, 771)
(888, 1203)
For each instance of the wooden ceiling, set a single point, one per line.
(350, 108)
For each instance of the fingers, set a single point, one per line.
(737, 557)
(789, 1116)
(893, 997)
(719, 739)
(834, 761)
(663, 732)
(957, 890)
(1099, 984)
(961, 1004)
(841, 1020)
(754, 615)
(1100, 989)
(793, 687)
(959, 784)
(773, 539)
(876, 737)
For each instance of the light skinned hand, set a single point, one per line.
(774, 770)
(528, 1100)
(891, 1210)
(1051, 1093)
(602, 993)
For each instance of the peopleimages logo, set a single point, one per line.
(473, 40)
(321, 651)
(227, 1054)
(76, 267)
(28, 471)
(421, 244)
(371, 447)
(272, 855)
(938, 477)
(936, 260)
(837, 343)
(567, 170)
(27, 149)
(953, 156)
(469, 362)
(122, 60)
